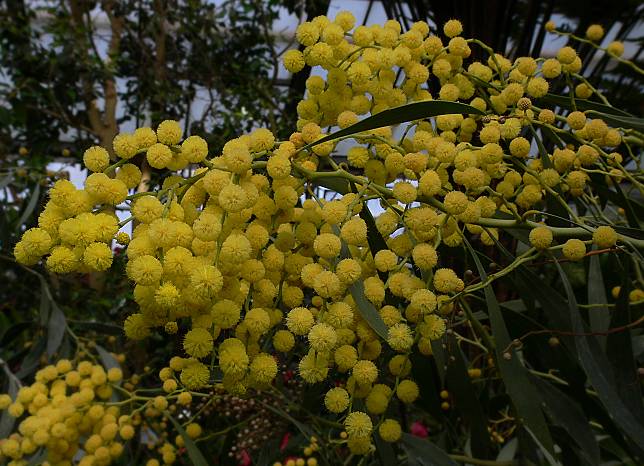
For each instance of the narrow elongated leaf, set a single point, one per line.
(583, 104)
(521, 391)
(385, 452)
(459, 384)
(626, 231)
(626, 122)
(33, 202)
(560, 214)
(633, 209)
(107, 359)
(100, 327)
(597, 368)
(32, 360)
(619, 349)
(629, 207)
(546, 453)
(401, 114)
(13, 332)
(303, 428)
(565, 412)
(38, 458)
(368, 310)
(45, 300)
(365, 308)
(599, 316)
(338, 185)
(6, 420)
(509, 450)
(422, 452)
(425, 372)
(374, 238)
(552, 303)
(195, 455)
(4, 182)
(56, 327)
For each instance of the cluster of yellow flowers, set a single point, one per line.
(79, 413)
(66, 411)
(246, 256)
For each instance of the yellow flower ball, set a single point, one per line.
(195, 149)
(595, 32)
(455, 202)
(136, 327)
(540, 237)
(400, 337)
(358, 425)
(283, 341)
(407, 391)
(452, 28)
(159, 155)
(322, 337)
(336, 400)
(169, 132)
(574, 249)
(390, 430)
(615, 48)
(263, 368)
(405, 192)
(96, 159)
(293, 61)
(198, 343)
(604, 237)
(446, 281)
(98, 256)
(194, 375)
(125, 145)
(364, 372)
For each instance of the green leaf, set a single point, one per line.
(619, 349)
(6, 420)
(565, 412)
(599, 316)
(100, 327)
(509, 450)
(38, 458)
(385, 452)
(303, 428)
(632, 215)
(619, 121)
(32, 360)
(467, 402)
(401, 114)
(56, 327)
(335, 184)
(425, 372)
(6, 180)
(597, 368)
(195, 455)
(515, 376)
(107, 359)
(367, 310)
(14, 332)
(560, 214)
(422, 452)
(546, 453)
(583, 105)
(33, 202)
(374, 238)
(633, 209)
(45, 300)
